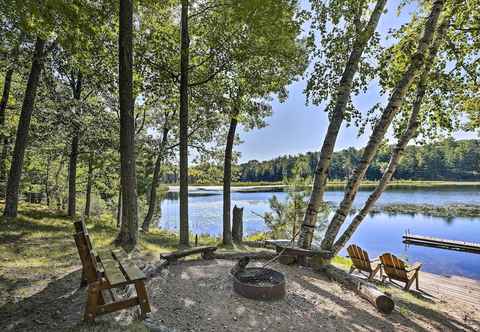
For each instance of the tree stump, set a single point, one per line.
(237, 224)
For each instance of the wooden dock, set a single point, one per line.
(433, 242)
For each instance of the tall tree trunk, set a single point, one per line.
(3, 159)
(72, 176)
(3, 109)
(409, 133)
(119, 207)
(11, 200)
(341, 100)
(128, 234)
(47, 178)
(5, 95)
(88, 192)
(152, 201)
(55, 190)
(72, 169)
(184, 63)
(227, 179)
(395, 103)
(4, 141)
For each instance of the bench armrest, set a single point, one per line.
(413, 267)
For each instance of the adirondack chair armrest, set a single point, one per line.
(414, 267)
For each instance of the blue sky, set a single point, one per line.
(297, 128)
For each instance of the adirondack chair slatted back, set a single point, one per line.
(359, 258)
(394, 267)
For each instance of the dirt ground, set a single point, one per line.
(199, 296)
(40, 274)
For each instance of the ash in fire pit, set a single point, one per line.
(258, 283)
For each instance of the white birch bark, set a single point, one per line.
(409, 133)
(342, 96)
(396, 99)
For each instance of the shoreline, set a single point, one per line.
(336, 185)
(450, 210)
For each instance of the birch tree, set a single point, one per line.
(409, 133)
(392, 108)
(358, 32)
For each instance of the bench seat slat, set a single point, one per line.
(112, 271)
(131, 271)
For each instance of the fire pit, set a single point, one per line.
(259, 283)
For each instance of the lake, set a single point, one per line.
(379, 233)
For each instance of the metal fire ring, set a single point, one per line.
(252, 290)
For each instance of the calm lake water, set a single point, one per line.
(379, 233)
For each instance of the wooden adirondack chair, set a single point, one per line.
(361, 262)
(397, 269)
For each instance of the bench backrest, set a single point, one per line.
(359, 258)
(394, 267)
(86, 252)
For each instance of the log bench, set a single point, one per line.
(291, 255)
(206, 252)
(104, 272)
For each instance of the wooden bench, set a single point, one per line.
(206, 252)
(106, 271)
(291, 255)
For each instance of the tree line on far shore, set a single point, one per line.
(455, 160)
(445, 160)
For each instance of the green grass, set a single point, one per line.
(342, 262)
(41, 238)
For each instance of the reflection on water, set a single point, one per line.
(380, 232)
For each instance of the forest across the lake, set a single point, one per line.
(422, 165)
(454, 160)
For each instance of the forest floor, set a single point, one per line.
(40, 274)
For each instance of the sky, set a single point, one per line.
(297, 128)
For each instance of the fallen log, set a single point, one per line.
(251, 255)
(254, 244)
(206, 252)
(383, 302)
